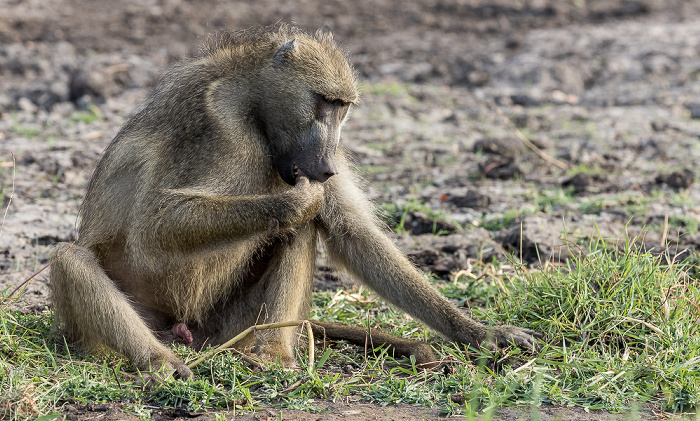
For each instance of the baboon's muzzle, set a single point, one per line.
(292, 167)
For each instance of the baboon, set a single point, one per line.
(208, 205)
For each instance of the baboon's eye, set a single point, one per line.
(327, 107)
(335, 102)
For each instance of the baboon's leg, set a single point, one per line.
(288, 295)
(95, 312)
(283, 294)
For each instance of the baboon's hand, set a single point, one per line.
(503, 336)
(307, 200)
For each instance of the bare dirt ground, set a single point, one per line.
(610, 89)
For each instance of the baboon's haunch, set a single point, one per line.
(209, 203)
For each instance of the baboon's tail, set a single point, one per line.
(423, 353)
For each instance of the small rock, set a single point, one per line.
(476, 78)
(659, 125)
(583, 182)
(559, 97)
(496, 146)
(677, 179)
(99, 81)
(418, 223)
(694, 110)
(525, 100)
(431, 260)
(579, 182)
(26, 105)
(499, 169)
(472, 199)
(457, 398)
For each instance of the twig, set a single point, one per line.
(116, 377)
(294, 385)
(527, 142)
(665, 234)
(524, 366)
(255, 328)
(40, 270)
(310, 334)
(649, 325)
(12, 193)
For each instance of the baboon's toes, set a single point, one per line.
(183, 372)
(272, 354)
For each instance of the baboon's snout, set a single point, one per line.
(320, 170)
(326, 169)
(291, 168)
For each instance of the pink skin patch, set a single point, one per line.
(184, 335)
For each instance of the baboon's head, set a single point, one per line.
(307, 89)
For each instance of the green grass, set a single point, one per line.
(497, 222)
(548, 200)
(688, 224)
(394, 215)
(23, 130)
(621, 329)
(583, 169)
(91, 115)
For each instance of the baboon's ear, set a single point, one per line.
(324, 32)
(286, 48)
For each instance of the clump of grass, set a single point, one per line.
(620, 327)
(621, 324)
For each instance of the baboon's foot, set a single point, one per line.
(273, 352)
(176, 369)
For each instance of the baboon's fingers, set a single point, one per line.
(534, 333)
(273, 227)
(522, 337)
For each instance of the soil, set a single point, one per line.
(608, 89)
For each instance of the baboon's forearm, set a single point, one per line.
(193, 221)
(375, 260)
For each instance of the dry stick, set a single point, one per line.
(12, 193)
(527, 143)
(310, 334)
(255, 328)
(665, 234)
(39, 271)
(649, 325)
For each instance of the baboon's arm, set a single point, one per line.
(186, 219)
(354, 239)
